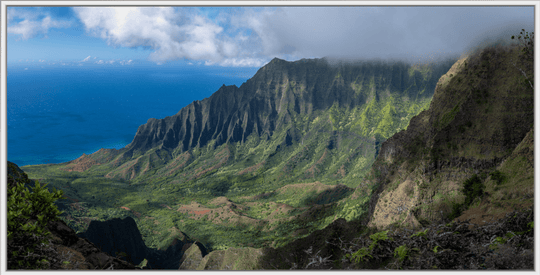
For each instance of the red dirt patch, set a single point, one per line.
(178, 163)
(252, 169)
(220, 200)
(127, 171)
(80, 164)
(222, 157)
(320, 161)
(202, 212)
(341, 172)
(225, 213)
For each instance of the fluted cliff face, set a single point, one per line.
(479, 113)
(268, 100)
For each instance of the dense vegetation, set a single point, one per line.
(297, 179)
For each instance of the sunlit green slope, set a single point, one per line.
(255, 165)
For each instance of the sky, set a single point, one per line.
(250, 36)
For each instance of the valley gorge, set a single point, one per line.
(304, 157)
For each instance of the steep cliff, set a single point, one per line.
(270, 97)
(284, 103)
(481, 110)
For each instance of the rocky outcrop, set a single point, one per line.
(79, 253)
(15, 175)
(116, 236)
(327, 243)
(245, 258)
(193, 256)
(119, 236)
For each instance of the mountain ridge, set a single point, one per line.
(234, 126)
(267, 101)
(305, 123)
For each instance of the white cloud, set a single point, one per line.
(124, 62)
(41, 60)
(25, 69)
(31, 24)
(13, 13)
(112, 61)
(170, 33)
(242, 62)
(380, 32)
(252, 36)
(86, 59)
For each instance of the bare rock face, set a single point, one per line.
(193, 256)
(479, 114)
(176, 253)
(245, 258)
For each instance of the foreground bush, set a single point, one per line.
(28, 215)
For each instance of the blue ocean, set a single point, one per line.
(55, 114)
